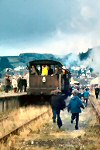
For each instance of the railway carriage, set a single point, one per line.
(43, 84)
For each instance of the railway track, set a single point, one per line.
(4, 118)
(95, 108)
(5, 115)
(16, 130)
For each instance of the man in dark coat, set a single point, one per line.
(50, 70)
(97, 90)
(7, 83)
(24, 84)
(57, 104)
(19, 83)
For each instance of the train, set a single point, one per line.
(41, 83)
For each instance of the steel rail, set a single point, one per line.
(4, 118)
(15, 131)
(96, 110)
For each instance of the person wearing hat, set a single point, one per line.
(65, 82)
(75, 106)
(57, 104)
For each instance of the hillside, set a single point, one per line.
(84, 56)
(24, 58)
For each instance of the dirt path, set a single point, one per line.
(50, 137)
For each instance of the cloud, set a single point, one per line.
(63, 44)
(87, 12)
(50, 26)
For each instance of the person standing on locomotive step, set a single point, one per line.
(65, 81)
(75, 106)
(57, 71)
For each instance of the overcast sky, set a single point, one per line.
(48, 26)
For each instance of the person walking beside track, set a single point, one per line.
(57, 104)
(65, 81)
(86, 95)
(80, 95)
(97, 90)
(75, 106)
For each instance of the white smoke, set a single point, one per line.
(92, 61)
(95, 59)
(73, 60)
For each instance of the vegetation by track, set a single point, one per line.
(44, 134)
(96, 107)
(24, 117)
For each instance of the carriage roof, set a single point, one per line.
(45, 62)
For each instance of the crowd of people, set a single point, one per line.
(43, 70)
(78, 99)
(54, 70)
(18, 84)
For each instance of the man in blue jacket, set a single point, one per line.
(75, 106)
(86, 95)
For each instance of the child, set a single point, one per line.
(75, 106)
(86, 95)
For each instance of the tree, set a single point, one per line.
(4, 63)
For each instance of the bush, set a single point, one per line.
(2, 88)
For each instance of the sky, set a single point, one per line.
(48, 26)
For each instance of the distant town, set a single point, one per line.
(81, 73)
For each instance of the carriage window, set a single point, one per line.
(38, 69)
(50, 70)
(33, 70)
(57, 70)
(44, 69)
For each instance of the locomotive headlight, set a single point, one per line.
(44, 79)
